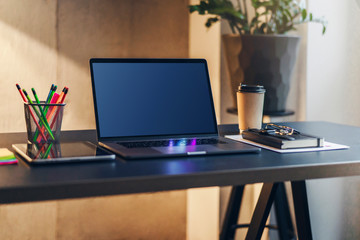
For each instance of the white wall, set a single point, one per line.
(333, 74)
(332, 90)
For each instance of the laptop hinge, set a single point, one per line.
(157, 138)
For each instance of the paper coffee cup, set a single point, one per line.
(250, 104)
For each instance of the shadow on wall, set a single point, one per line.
(51, 41)
(93, 28)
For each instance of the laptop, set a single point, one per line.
(150, 108)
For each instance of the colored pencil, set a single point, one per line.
(31, 113)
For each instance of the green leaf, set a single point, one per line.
(210, 21)
(204, 4)
(288, 13)
(193, 8)
(197, 8)
(303, 14)
(271, 16)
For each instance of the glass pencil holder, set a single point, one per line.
(43, 122)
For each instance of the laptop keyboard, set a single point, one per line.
(168, 143)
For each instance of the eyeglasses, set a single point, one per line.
(281, 130)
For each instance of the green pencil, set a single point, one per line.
(43, 114)
(47, 151)
(44, 121)
(46, 108)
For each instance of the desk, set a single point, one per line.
(21, 183)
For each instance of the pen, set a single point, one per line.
(31, 113)
(39, 115)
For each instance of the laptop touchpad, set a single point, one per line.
(185, 149)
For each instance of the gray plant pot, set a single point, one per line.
(266, 60)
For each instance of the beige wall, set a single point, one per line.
(203, 204)
(49, 41)
(140, 216)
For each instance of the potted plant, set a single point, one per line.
(259, 51)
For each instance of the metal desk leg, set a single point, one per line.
(262, 210)
(301, 210)
(282, 214)
(232, 213)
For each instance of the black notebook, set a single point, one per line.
(297, 140)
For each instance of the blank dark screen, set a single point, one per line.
(147, 99)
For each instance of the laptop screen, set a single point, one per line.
(152, 97)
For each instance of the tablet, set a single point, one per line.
(62, 152)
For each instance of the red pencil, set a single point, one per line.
(58, 110)
(65, 93)
(21, 93)
(32, 114)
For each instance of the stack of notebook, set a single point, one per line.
(7, 157)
